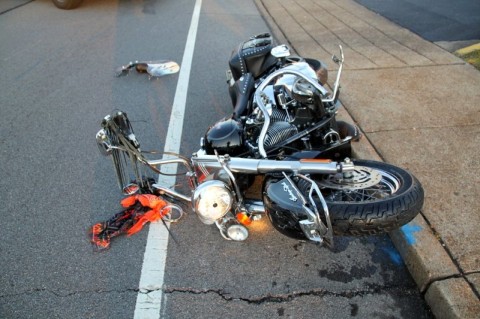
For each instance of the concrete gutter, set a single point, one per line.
(418, 107)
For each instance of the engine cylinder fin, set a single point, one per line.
(278, 115)
(278, 132)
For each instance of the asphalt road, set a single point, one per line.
(57, 83)
(434, 20)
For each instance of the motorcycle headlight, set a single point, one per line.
(212, 200)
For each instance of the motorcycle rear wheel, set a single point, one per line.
(376, 198)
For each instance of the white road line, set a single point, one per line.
(149, 297)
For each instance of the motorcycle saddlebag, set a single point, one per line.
(252, 56)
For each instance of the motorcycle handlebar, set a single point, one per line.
(261, 166)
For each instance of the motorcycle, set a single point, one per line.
(282, 131)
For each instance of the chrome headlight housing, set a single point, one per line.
(212, 200)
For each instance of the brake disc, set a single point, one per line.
(361, 178)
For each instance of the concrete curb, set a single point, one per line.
(447, 290)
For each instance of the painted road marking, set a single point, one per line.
(149, 297)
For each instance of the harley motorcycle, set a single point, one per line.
(282, 132)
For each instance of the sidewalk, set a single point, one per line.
(419, 108)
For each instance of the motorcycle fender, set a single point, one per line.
(283, 207)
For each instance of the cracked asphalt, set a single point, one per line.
(281, 277)
(56, 86)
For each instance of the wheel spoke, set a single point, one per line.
(366, 184)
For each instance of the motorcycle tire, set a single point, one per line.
(378, 198)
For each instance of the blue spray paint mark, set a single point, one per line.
(409, 231)
(394, 255)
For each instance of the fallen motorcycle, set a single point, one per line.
(283, 130)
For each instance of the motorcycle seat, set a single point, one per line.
(252, 56)
(240, 94)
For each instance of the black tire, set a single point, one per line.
(67, 4)
(385, 206)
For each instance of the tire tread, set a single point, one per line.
(381, 216)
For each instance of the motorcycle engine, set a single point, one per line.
(293, 105)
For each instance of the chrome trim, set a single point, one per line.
(227, 221)
(263, 166)
(325, 232)
(311, 227)
(196, 196)
(280, 51)
(337, 80)
(254, 207)
(259, 100)
(223, 160)
(103, 143)
(171, 192)
(331, 137)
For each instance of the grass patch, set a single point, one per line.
(471, 57)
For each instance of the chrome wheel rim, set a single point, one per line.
(364, 184)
